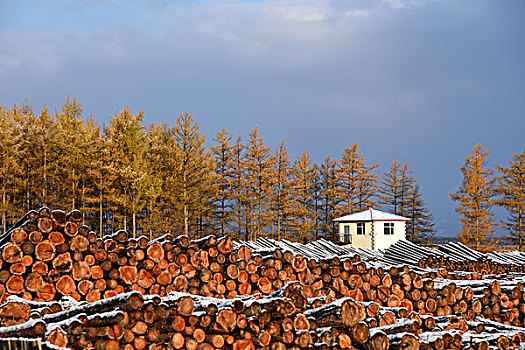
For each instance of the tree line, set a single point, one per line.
(161, 178)
(481, 189)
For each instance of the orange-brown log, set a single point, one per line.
(200, 260)
(85, 286)
(15, 284)
(70, 228)
(140, 328)
(225, 245)
(45, 251)
(216, 340)
(19, 236)
(145, 279)
(45, 224)
(34, 282)
(81, 271)
(155, 252)
(79, 243)
(243, 345)
(164, 278)
(66, 285)
(12, 253)
(97, 272)
(128, 274)
(17, 269)
(177, 340)
(58, 337)
(226, 320)
(63, 262)
(47, 292)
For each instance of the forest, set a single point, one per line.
(161, 178)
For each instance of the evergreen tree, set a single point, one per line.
(194, 182)
(9, 166)
(72, 156)
(222, 153)
(97, 191)
(317, 201)
(395, 187)
(356, 182)
(258, 167)
(420, 228)
(329, 184)
(302, 184)
(510, 192)
(46, 156)
(29, 166)
(240, 222)
(474, 200)
(128, 166)
(161, 169)
(281, 192)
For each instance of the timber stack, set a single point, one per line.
(61, 283)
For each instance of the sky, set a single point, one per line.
(410, 80)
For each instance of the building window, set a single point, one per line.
(346, 237)
(389, 228)
(360, 228)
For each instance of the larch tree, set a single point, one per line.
(9, 167)
(510, 194)
(302, 178)
(27, 158)
(421, 227)
(280, 200)
(394, 188)
(160, 156)
(317, 202)
(356, 182)
(73, 158)
(259, 162)
(240, 220)
(222, 154)
(128, 165)
(46, 155)
(98, 189)
(474, 201)
(194, 178)
(329, 185)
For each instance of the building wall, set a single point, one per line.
(381, 241)
(358, 241)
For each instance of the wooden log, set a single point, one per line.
(81, 271)
(70, 228)
(34, 282)
(79, 243)
(45, 251)
(19, 236)
(58, 337)
(11, 253)
(155, 252)
(225, 320)
(66, 285)
(128, 274)
(15, 284)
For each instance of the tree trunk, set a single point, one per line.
(100, 209)
(4, 208)
(134, 220)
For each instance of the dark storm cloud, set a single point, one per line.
(416, 81)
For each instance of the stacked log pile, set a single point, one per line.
(61, 283)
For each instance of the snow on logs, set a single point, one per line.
(58, 281)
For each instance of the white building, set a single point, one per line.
(372, 229)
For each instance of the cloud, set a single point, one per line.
(417, 81)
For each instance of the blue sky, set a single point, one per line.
(410, 80)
